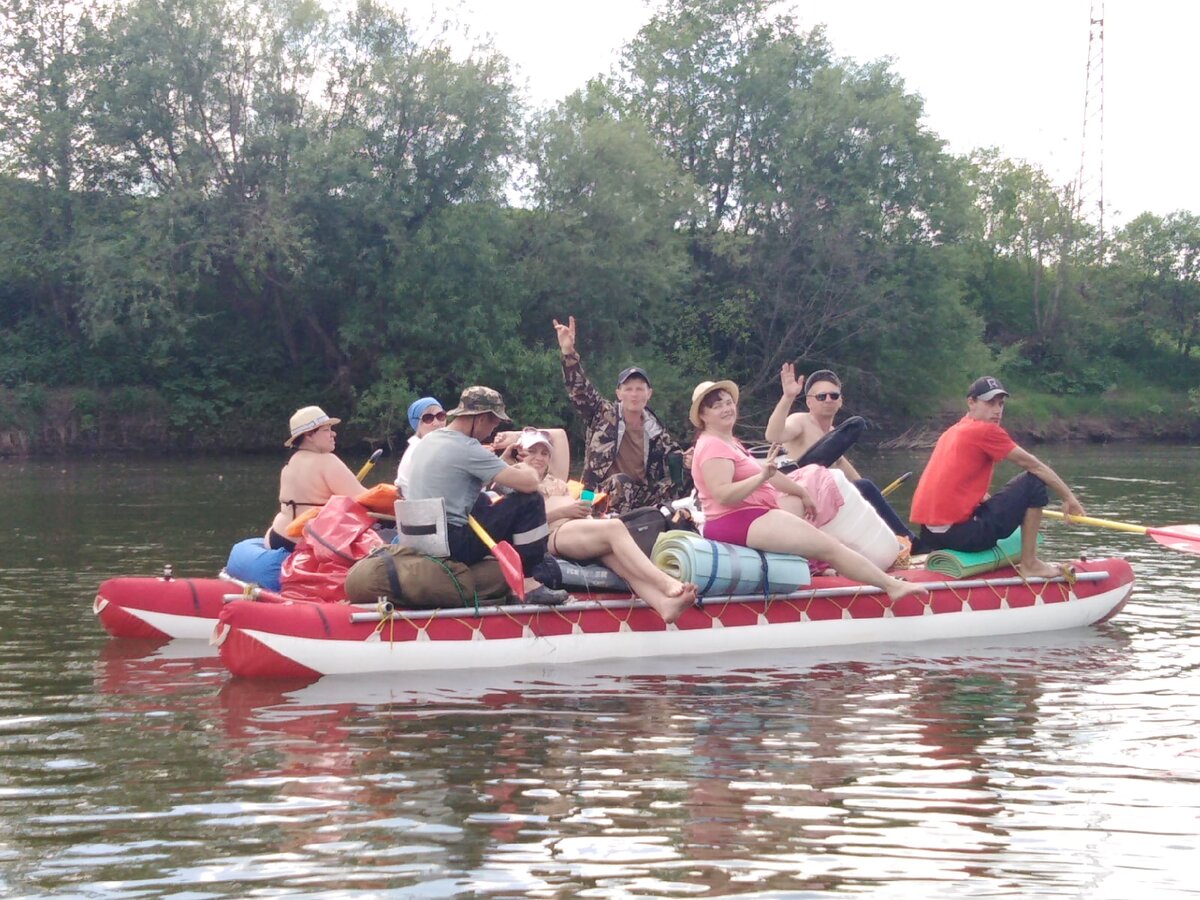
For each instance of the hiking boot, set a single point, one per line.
(544, 596)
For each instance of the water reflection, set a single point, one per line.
(784, 774)
(1061, 764)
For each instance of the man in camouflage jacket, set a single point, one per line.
(633, 476)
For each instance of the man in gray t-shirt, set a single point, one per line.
(453, 463)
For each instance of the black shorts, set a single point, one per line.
(994, 519)
(277, 541)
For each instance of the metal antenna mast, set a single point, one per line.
(1089, 186)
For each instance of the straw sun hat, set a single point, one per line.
(703, 389)
(307, 419)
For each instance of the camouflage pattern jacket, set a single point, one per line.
(606, 428)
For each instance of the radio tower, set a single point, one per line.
(1089, 187)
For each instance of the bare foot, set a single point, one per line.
(1038, 569)
(677, 602)
(676, 588)
(898, 587)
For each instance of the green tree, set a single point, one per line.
(407, 186)
(821, 188)
(600, 241)
(1030, 252)
(1160, 259)
(47, 48)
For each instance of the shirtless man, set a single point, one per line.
(312, 475)
(798, 432)
(952, 503)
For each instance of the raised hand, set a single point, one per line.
(504, 439)
(792, 386)
(565, 335)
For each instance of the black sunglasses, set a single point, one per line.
(433, 417)
(829, 395)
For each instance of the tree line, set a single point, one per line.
(214, 211)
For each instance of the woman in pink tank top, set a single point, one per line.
(748, 502)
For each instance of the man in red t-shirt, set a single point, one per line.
(952, 504)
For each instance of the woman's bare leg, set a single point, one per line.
(609, 540)
(781, 532)
(670, 604)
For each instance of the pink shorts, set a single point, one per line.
(732, 528)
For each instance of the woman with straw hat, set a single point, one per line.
(312, 475)
(748, 502)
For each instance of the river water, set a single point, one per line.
(1056, 765)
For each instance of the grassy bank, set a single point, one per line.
(1117, 415)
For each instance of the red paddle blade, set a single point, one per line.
(510, 564)
(1178, 537)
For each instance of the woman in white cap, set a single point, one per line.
(747, 501)
(312, 475)
(575, 535)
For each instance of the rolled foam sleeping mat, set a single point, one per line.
(958, 564)
(592, 577)
(716, 568)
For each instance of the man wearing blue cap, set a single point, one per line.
(628, 451)
(424, 415)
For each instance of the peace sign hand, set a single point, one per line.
(565, 335)
(768, 465)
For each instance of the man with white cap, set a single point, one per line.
(312, 475)
(452, 463)
(952, 503)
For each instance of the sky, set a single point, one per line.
(1010, 75)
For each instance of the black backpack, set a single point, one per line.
(646, 523)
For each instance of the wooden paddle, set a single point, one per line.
(506, 554)
(1178, 537)
(895, 484)
(369, 464)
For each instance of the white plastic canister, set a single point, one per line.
(859, 527)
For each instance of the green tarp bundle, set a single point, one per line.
(958, 564)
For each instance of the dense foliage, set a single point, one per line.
(212, 212)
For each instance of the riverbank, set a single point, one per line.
(37, 422)
(1116, 416)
